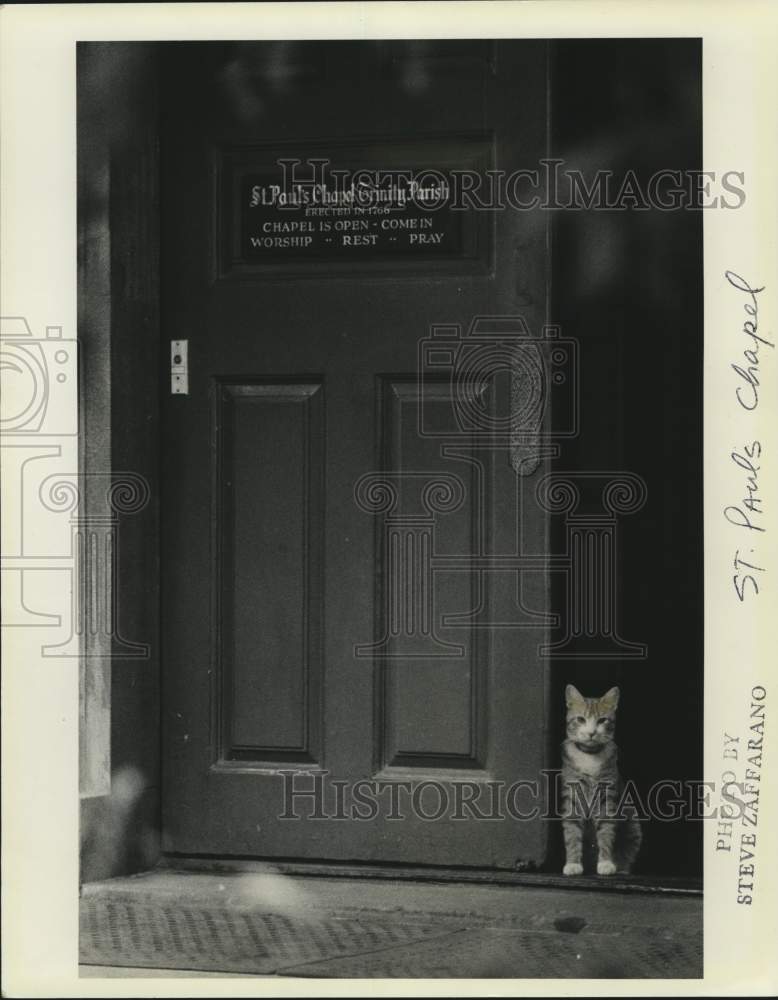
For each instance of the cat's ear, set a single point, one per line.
(610, 699)
(573, 696)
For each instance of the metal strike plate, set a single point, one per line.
(179, 367)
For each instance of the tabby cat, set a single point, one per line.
(590, 774)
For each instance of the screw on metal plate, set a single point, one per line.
(179, 367)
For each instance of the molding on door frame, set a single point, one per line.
(118, 334)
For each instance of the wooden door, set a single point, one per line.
(333, 607)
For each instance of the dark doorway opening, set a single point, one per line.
(629, 286)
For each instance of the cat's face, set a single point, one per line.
(591, 722)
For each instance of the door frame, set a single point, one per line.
(123, 373)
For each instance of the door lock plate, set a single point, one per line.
(179, 367)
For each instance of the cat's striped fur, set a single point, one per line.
(592, 787)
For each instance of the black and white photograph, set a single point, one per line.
(375, 473)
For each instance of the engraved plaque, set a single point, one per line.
(382, 206)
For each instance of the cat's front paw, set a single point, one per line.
(606, 868)
(572, 868)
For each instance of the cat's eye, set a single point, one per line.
(601, 721)
(579, 718)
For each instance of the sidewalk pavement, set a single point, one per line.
(264, 923)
